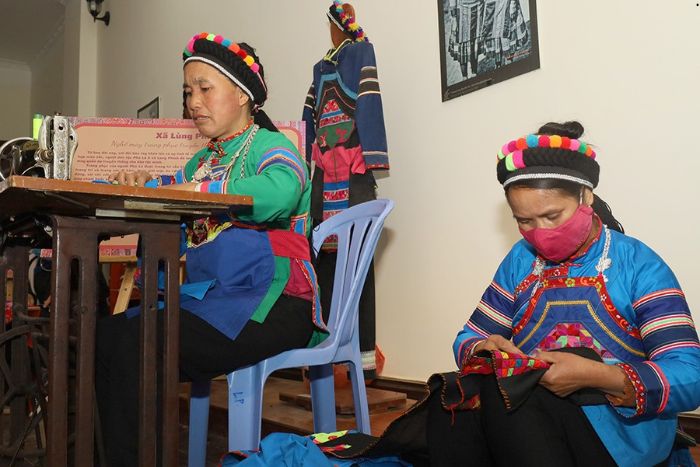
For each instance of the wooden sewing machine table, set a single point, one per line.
(75, 216)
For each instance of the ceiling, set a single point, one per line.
(27, 26)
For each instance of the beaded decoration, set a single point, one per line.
(347, 22)
(234, 48)
(512, 152)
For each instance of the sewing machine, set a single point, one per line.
(48, 156)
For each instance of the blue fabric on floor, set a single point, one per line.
(288, 450)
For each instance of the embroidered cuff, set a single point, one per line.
(209, 187)
(164, 180)
(376, 160)
(467, 350)
(634, 392)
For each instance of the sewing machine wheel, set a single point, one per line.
(22, 439)
(16, 157)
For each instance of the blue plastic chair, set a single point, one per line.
(358, 229)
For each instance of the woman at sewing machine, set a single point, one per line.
(257, 293)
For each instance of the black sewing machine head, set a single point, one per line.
(50, 156)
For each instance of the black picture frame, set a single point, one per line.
(470, 39)
(149, 110)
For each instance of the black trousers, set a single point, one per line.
(204, 353)
(325, 272)
(545, 431)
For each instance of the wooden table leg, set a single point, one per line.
(57, 412)
(77, 239)
(158, 247)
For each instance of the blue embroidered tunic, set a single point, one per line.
(620, 299)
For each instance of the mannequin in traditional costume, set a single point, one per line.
(346, 141)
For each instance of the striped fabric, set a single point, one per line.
(310, 102)
(369, 83)
(493, 315)
(285, 157)
(665, 322)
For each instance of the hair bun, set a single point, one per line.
(571, 129)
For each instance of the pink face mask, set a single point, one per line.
(561, 242)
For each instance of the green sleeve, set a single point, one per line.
(276, 192)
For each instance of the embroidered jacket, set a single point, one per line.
(344, 105)
(620, 299)
(345, 132)
(238, 267)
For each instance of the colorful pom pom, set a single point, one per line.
(512, 152)
(230, 45)
(518, 159)
(509, 163)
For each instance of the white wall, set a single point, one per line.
(80, 60)
(627, 70)
(15, 92)
(47, 78)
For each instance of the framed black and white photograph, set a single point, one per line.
(149, 110)
(483, 42)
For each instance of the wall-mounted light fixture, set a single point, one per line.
(95, 8)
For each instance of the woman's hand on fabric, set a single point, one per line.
(568, 372)
(137, 178)
(497, 342)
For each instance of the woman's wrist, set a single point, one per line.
(617, 387)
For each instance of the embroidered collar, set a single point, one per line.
(332, 55)
(217, 145)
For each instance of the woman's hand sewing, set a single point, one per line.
(137, 178)
(569, 373)
(497, 342)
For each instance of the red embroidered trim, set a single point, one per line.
(639, 390)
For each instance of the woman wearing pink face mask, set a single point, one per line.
(576, 280)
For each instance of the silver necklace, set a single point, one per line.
(205, 170)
